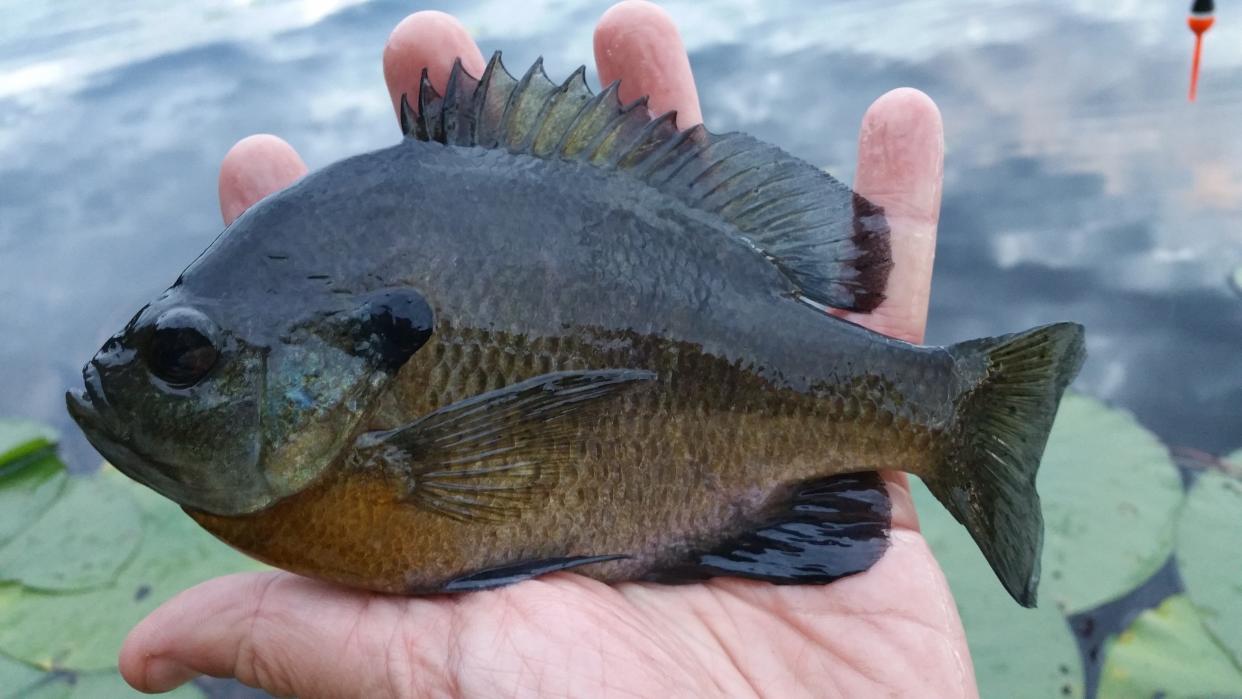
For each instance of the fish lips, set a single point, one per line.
(90, 409)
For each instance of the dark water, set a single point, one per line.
(1079, 182)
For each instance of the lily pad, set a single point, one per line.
(16, 677)
(1167, 652)
(1208, 539)
(81, 542)
(1111, 495)
(27, 492)
(83, 631)
(20, 438)
(1017, 652)
(100, 685)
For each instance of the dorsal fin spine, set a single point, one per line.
(673, 168)
(629, 134)
(830, 243)
(489, 117)
(509, 116)
(568, 101)
(526, 103)
(644, 163)
(657, 132)
(429, 105)
(542, 124)
(458, 122)
(448, 111)
(562, 142)
(409, 118)
(582, 123)
(602, 144)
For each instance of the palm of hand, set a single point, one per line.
(893, 630)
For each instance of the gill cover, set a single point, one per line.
(322, 380)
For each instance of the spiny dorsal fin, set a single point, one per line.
(830, 242)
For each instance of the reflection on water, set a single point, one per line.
(1080, 184)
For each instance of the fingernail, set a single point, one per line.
(164, 674)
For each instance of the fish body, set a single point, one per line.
(549, 332)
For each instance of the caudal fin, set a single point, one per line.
(987, 479)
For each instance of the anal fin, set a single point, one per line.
(825, 529)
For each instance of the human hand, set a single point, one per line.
(893, 630)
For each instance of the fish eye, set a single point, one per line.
(181, 350)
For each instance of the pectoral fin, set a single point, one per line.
(823, 530)
(492, 455)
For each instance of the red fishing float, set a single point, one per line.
(1200, 21)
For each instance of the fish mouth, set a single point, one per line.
(89, 407)
(112, 438)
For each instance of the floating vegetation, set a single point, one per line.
(1167, 652)
(93, 527)
(1111, 495)
(83, 559)
(1040, 661)
(76, 685)
(1209, 554)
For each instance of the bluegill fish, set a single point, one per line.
(548, 331)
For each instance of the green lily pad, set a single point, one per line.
(21, 681)
(27, 493)
(16, 678)
(1167, 652)
(1208, 539)
(83, 631)
(20, 438)
(81, 542)
(1111, 495)
(1017, 652)
(100, 685)
(48, 686)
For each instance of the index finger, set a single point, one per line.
(901, 168)
(638, 44)
(430, 40)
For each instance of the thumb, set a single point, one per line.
(286, 635)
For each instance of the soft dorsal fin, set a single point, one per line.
(831, 243)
